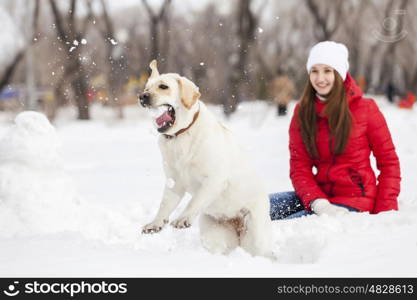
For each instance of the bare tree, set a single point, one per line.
(70, 31)
(409, 66)
(228, 55)
(354, 29)
(8, 73)
(157, 19)
(9, 70)
(32, 29)
(391, 36)
(116, 58)
(246, 24)
(328, 16)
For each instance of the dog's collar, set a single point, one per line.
(184, 129)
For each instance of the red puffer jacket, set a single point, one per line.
(348, 178)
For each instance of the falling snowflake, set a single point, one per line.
(83, 41)
(260, 30)
(170, 183)
(202, 64)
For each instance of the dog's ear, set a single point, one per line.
(189, 92)
(154, 69)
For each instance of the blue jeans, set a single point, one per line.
(287, 205)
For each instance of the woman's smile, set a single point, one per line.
(322, 78)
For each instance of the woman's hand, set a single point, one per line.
(324, 207)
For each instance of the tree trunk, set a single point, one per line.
(8, 73)
(80, 89)
(246, 23)
(155, 21)
(68, 31)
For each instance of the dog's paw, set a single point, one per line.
(154, 227)
(183, 222)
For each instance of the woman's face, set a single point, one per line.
(322, 79)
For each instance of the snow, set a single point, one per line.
(170, 183)
(112, 41)
(74, 196)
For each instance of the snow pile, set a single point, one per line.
(31, 140)
(37, 196)
(348, 238)
(11, 39)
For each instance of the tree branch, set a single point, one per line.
(8, 73)
(164, 8)
(71, 13)
(59, 23)
(149, 9)
(109, 31)
(87, 19)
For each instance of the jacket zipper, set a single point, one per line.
(357, 179)
(362, 189)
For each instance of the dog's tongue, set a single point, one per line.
(165, 117)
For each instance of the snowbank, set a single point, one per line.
(37, 195)
(73, 200)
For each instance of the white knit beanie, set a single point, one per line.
(329, 53)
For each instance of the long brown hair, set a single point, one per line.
(338, 113)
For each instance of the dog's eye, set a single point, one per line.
(163, 86)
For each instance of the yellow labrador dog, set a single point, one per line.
(202, 158)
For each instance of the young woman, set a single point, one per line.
(332, 134)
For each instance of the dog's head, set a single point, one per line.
(173, 99)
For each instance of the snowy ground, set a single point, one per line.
(79, 211)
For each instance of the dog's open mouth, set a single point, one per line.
(166, 117)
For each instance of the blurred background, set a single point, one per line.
(79, 53)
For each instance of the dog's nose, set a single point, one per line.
(145, 99)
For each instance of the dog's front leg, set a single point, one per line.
(170, 200)
(208, 192)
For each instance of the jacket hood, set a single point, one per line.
(353, 91)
